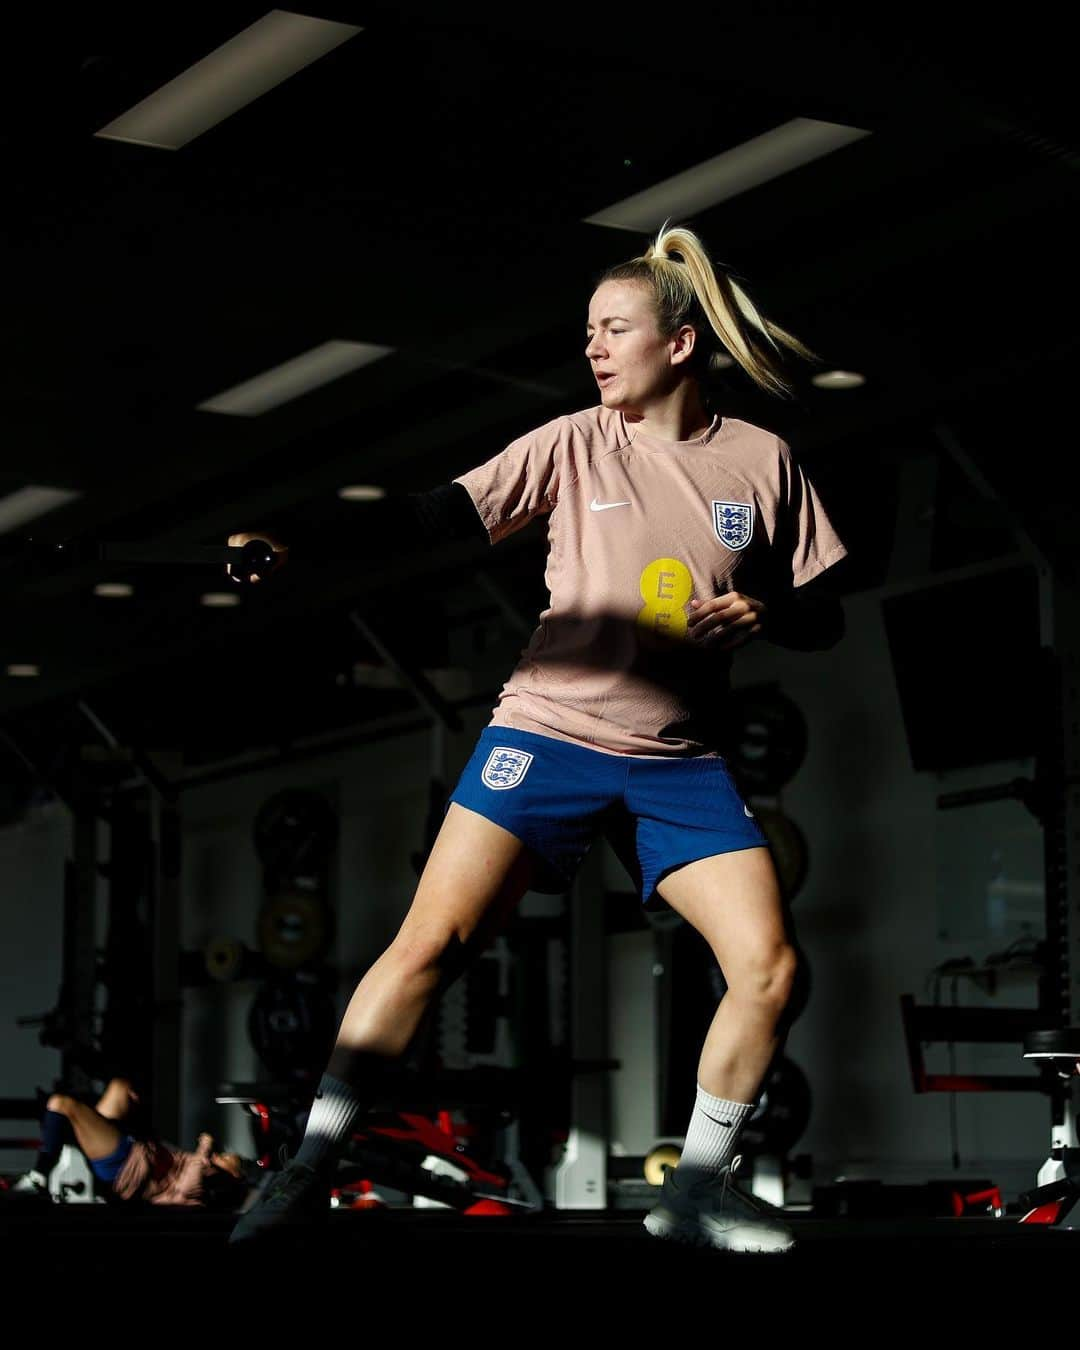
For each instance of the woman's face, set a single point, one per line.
(634, 366)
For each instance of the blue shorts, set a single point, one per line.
(107, 1169)
(656, 813)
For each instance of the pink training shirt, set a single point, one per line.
(637, 526)
(162, 1174)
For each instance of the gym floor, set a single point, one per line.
(90, 1248)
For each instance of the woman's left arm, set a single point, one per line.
(805, 618)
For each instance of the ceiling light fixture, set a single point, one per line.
(360, 492)
(726, 175)
(27, 503)
(232, 76)
(281, 384)
(838, 379)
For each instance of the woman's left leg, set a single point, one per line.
(734, 902)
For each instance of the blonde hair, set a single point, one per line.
(692, 289)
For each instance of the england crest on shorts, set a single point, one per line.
(505, 767)
(734, 522)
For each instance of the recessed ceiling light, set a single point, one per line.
(838, 379)
(737, 170)
(232, 76)
(220, 600)
(24, 671)
(360, 492)
(27, 503)
(280, 384)
(114, 589)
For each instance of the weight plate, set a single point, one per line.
(782, 1113)
(224, 957)
(295, 832)
(292, 1023)
(766, 739)
(658, 1160)
(294, 928)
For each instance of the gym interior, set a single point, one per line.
(216, 800)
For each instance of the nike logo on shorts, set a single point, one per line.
(594, 505)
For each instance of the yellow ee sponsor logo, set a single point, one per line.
(666, 586)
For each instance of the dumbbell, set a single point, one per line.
(255, 558)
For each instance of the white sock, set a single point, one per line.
(329, 1125)
(712, 1136)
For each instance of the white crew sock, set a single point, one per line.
(329, 1125)
(712, 1136)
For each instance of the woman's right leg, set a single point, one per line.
(474, 877)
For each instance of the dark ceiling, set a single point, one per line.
(424, 186)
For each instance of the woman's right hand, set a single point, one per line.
(281, 552)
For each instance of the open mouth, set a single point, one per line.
(601, 380)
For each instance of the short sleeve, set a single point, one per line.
(805, 534)
(519, 482)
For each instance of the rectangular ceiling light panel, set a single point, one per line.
(280, 384)
(28, 503)
(737, 170)
(234, 75)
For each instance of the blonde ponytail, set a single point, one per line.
(690, 287)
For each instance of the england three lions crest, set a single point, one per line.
(505, 767)
(734, 522)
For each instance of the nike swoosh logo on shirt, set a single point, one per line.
(594, 505)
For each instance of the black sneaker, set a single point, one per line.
(296, 1197)
(714, 1212)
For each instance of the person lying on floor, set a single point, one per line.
(136, 1169)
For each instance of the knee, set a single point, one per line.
(770, 979)
(431, 956)
(59, 1103)
(122, 1090)
(785, 973)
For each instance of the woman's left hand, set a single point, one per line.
(725, 621)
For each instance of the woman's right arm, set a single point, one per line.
(488, 502)
(395, 525)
